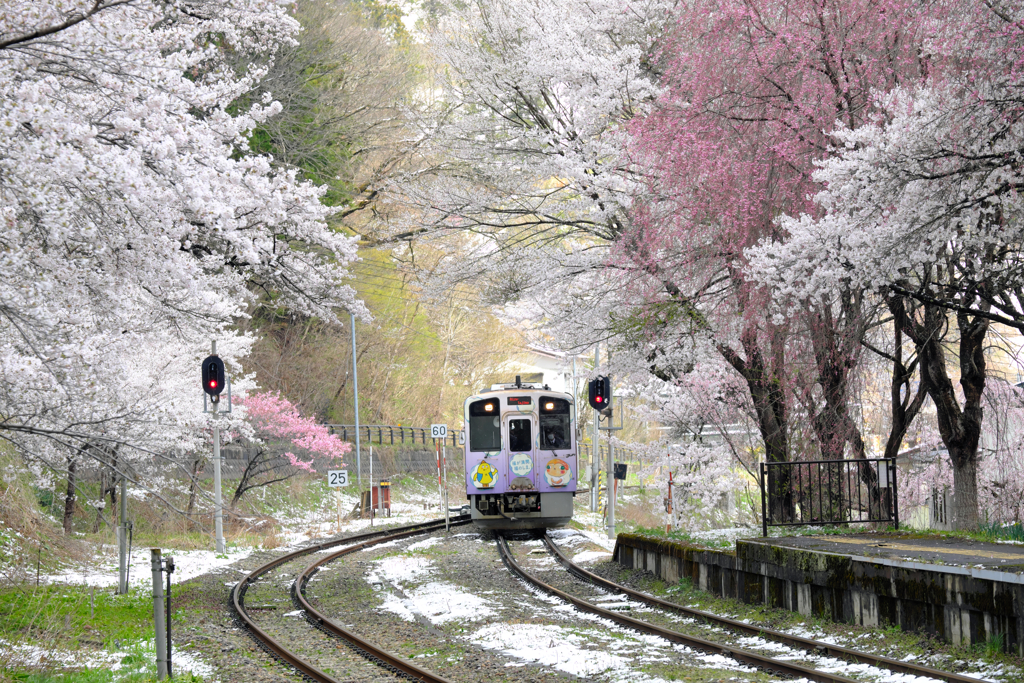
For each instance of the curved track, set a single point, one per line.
(795, 642)
(762, 662)
(353, 544)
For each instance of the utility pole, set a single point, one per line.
(595, 456)
(156, 565)
(355, 389)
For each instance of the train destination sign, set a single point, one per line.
(520, 400)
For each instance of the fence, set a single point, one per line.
(621, 454)
(387, 462)
(390, 435)
(941, 509)
(823, 492)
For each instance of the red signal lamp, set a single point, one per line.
(213, 376)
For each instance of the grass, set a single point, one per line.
(57, 619)
(116, 618)
(1002, 532)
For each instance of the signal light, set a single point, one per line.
(213, 375)
(599, 392)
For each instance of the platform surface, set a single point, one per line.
(1005, 557)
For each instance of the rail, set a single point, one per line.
(746, 657)
(320, 621)
(746, 629)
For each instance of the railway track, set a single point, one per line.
(375, 654)
(759, 661)
(795, 642)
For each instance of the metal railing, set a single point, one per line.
(585, 451)
(390, 435)
(824, 492)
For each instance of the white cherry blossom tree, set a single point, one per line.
(134, 223)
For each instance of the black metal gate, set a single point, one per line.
(824, 492)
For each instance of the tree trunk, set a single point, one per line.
(769, 401)
(960, 428)
(69, 496)
(197, 467)
(99, 508)
(965, 492)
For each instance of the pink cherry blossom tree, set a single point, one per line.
(279, 428)
(922, 206)
(751, 88)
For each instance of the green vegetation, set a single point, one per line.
(1002, 532)
(37, 609)
(53, 620)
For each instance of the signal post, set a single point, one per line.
(214, 381)
(599, 395)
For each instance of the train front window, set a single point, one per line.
(519, 437)
(484, 426)
(554, 423)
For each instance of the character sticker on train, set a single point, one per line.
(484, 475)
(557, 472)
(521, 464)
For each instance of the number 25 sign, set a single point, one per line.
(337, 478)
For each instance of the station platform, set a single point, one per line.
(974, 558)
(962, 591)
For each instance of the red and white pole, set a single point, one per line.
(440, 495)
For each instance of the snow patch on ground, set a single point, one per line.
(552, 646)
(591, 556)
(187, 564)
(427, 543)
(437, 601)
(440, 603)
(599, 538)
(31, 656)
(399, 569)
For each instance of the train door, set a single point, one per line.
(485, 461)
(521, 436)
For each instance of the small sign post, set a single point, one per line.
(336, 479)
(438, 432)
(444, 459)
(620, 475)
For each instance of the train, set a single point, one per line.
(521, 457)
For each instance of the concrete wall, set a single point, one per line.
(957, 604)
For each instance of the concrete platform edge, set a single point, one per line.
(962, 605)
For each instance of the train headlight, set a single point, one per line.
(549, 406)
(488, 407)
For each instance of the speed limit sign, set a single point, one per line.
(438, 431)
(337, 478)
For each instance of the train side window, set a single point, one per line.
(484, 426)
(554, 423)
(519, 436)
